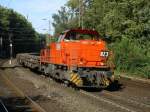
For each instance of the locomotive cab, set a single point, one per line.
(78, 35)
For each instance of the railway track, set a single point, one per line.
(118, 99)
(122, 107)
(127, 105)
(2, 107)
(20, 103)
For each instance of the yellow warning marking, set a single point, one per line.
(79, 82)
(74, 77)
(107, 83)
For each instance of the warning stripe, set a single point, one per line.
(107, 82)
(79, 82)
(72, 75)
(104, 81)
(75, 79)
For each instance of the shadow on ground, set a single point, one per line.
(116, 86)
(20, 104)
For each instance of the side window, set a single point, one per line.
(70, 36)
(60, 37)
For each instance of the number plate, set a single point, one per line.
(104, 53)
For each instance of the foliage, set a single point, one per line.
(125, 22)
(131, 57)
(16, 26)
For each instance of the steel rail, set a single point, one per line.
(3, 106)
(30, 102)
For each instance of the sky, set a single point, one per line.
(38, 12)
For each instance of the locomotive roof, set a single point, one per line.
(86, 31)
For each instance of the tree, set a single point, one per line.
(125, 22)
(23, 35)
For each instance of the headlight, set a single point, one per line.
(104, 53)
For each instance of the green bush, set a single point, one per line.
(130, 56)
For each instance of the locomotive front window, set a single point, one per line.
(86, 37)
(80, 36)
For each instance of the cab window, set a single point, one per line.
(73, 36)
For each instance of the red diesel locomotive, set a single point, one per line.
(79, 57)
